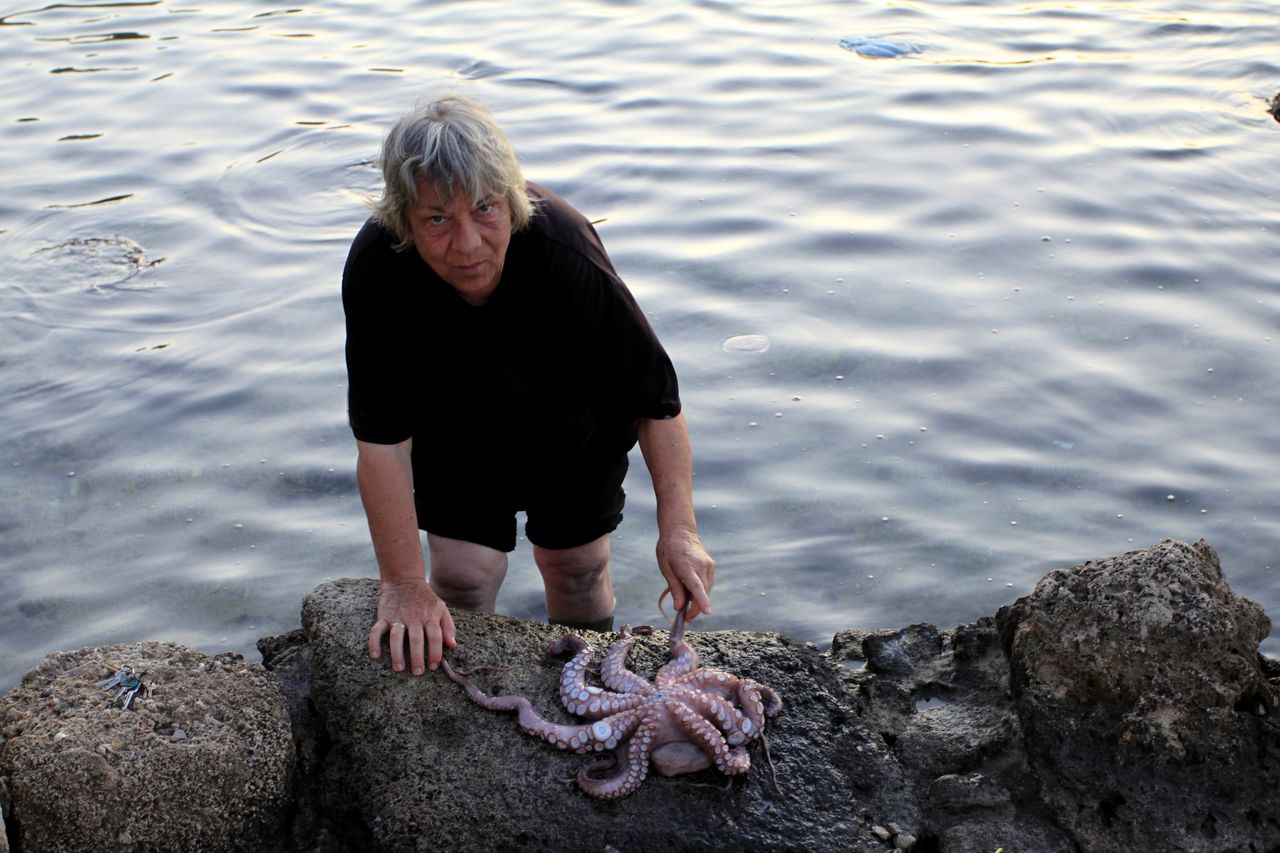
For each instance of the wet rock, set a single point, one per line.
(901, 652)
(415, 765)
(1120, 706)
(949, 720)
(965, 794)
(1027, 836)
(1145, 707)
(85, 774)
(288, 657)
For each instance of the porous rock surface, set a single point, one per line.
(202, 763)
(1147, 712)
(1122, 705)
(416, 766)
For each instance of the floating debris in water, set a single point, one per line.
(746, 343)
(878, 48)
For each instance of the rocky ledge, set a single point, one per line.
(1122, 705)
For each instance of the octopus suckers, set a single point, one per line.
(706, 709)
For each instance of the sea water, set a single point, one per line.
(993, 295)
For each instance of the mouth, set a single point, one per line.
(471, 269)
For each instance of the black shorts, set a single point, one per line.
(574, 506)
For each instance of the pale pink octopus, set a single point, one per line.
(688, 719)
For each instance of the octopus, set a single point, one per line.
(688, 719)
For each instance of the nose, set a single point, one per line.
(466, 234)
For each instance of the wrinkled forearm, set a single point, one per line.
(667, 454)
(384, 473)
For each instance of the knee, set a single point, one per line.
(469, 584)
(574, 570)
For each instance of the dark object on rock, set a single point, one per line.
(1144, 706)
(1275, 107)
(202, 763)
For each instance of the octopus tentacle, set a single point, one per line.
(614, 672)
(708, 738)
(683, 658)
(589, 737)
(736, 726)
(758, 701)
(715, 681)
(633, 765)
(687, 719)
(585, 700)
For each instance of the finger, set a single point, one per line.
(415, 650)
(375, 638)
(434, 651)
(676, 588)
(701, 601)
(447, 631)
(397, 646)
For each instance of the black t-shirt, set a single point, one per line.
(557, 365)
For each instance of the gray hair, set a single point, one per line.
(454, 143)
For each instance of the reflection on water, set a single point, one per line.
(946, 316)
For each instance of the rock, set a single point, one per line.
(1031, 836)
(973, 792)
(288, 657)
(1144, 705)
(947, 715)
(1120, 706)
(85, 774)
(415, 765)
(900, 652)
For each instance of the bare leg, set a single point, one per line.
(464, 574)
(577, 580)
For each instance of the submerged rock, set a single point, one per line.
(202, 763)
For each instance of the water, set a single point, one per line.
(944, 321)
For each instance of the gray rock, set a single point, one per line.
(1145, 707)
(416, 766)
(1120, 706)
(968, 793)
(900, 652)
(85, 774)
(1024, 836)
(950, 722)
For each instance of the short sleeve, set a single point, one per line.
(379, 391)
